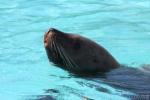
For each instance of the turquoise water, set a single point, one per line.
(121, 26)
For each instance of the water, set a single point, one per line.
(121, 26)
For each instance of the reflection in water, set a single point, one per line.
(134, 80)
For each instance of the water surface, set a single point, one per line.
(121, 26)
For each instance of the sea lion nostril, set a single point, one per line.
(46, 38)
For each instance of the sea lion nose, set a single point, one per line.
(50, 34)
(47, 36)
(46, 39)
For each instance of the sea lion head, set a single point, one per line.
(76, 53)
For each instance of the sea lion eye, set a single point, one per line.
(76, 46)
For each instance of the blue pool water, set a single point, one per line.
(121, 26)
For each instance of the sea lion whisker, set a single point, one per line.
(70, 59)
(73, 65)
(51, 44)
(60, 53)
(66, 57)
(68, 63)
(54, 48)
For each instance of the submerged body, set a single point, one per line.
(77, 54)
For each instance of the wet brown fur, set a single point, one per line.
(86, 56)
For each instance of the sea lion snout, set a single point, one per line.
(52, 34)
(48, 36)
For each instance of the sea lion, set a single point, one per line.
(77, 54)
